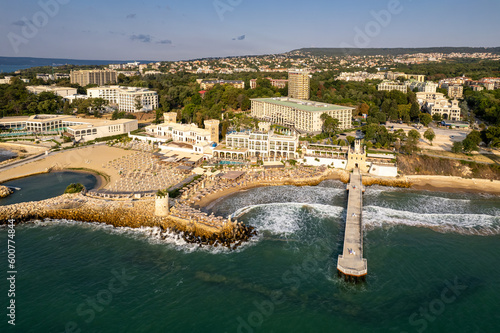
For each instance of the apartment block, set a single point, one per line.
(455, 91)
(99, 77)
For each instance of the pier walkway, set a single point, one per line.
(351, 261)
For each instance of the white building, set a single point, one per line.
(126, 98)
(447, 110)
(59, 91)
(428, 87)
(79, 128)
(303, 115)
(389, 86)
(186, 133)
(265, 144)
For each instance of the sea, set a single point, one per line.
(13, 68)
(433, 266)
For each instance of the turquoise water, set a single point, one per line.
(230, 163)
(429, 270)
(44, 186)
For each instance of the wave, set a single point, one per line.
(481, 224)
(418, 202)
(279, 194)
(285, 219)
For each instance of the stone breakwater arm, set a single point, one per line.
(193, 226)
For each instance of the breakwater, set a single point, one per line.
(134, 214)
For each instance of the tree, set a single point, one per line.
(414, 111)
(330, 124)
(138, 103)
(469, 145)
(491, 136)
(66, 108)
(472, 141)
(457, 147)
(425, 119)
(429, 135)
(437, 117)
(412, 141)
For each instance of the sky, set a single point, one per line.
(173, 30)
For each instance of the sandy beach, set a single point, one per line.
(92, 158)
(455, 184)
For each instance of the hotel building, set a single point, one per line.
(304, 116)
(298, 84)
(99, 77)
(264, 144)
(126, 97)
(78, 128)
(186, 133)
(59, 91)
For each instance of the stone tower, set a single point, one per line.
(170, 117)
(356, 158)
(161, 206)
(213, 126)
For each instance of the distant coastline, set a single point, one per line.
(12, 64)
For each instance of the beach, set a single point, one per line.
(454, 184)
(90, 159)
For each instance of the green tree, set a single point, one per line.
(412, 141)
(330, 124)
(138, 103)
(437, 117)
(414, 111)
(66, 108)
(457, 147)
(425, 119)
(429, 135)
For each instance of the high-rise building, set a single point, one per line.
(99, 77)
(298, 84)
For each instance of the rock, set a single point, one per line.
(5, 191)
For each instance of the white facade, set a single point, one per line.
(428, 87)
(187, 133)
(59, 91)
(388, 86)
(126, 97)
(79, 128)
(446, 109)
(262, 144)
(303, 115)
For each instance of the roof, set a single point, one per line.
(304, 105)
(233, 175)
